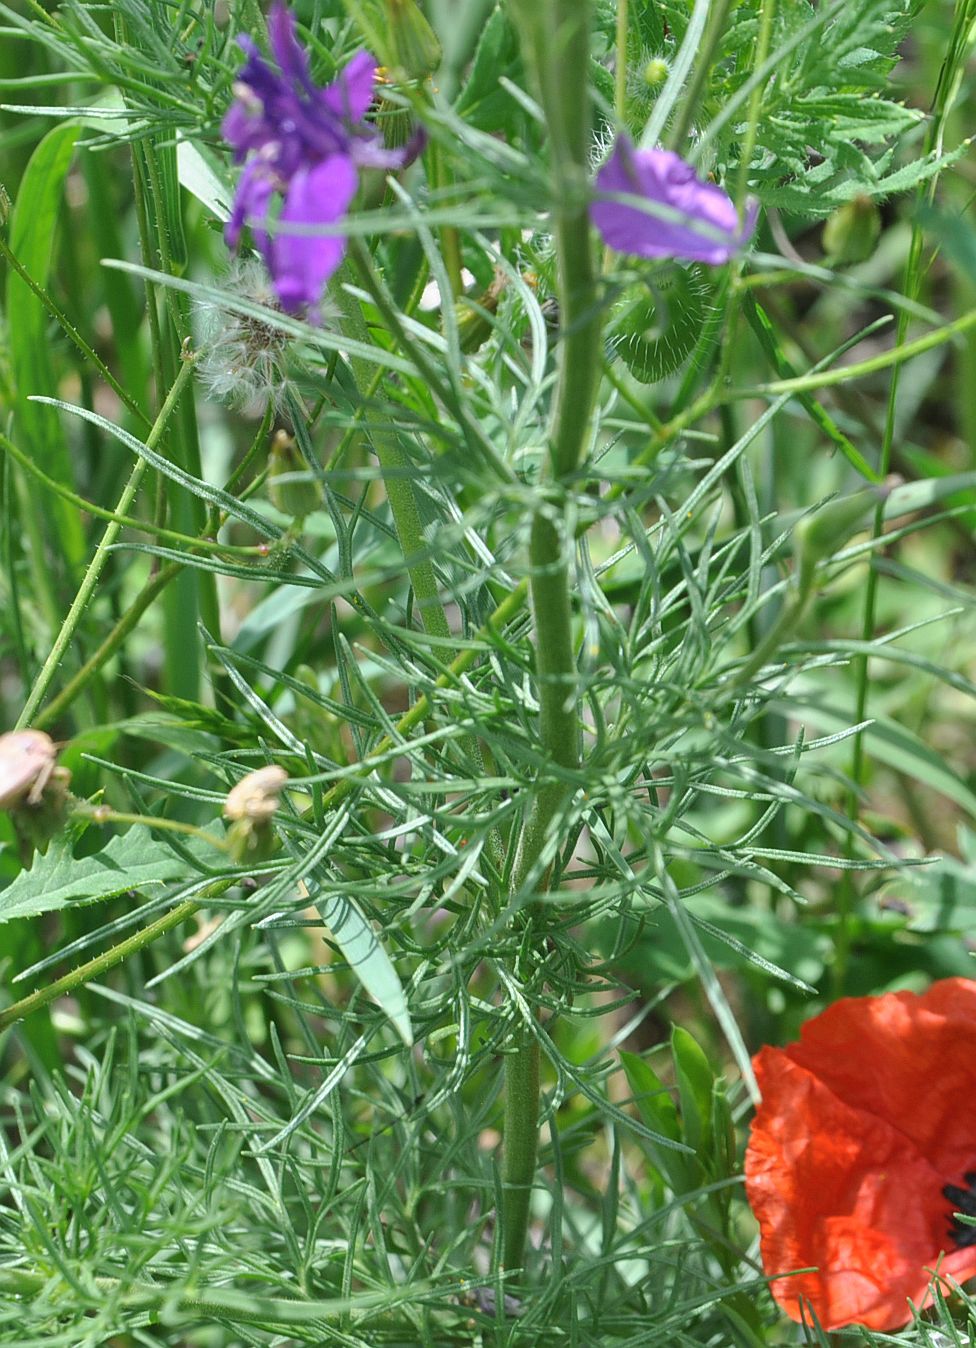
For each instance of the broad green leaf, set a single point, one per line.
(658, 1112)
(651, 1097)
(733, 938)
(912, 496)
(940, 896)
(906, 499)
(197, 176)
(135, 860)
(695, 1082)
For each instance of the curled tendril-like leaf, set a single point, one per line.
(655, 324)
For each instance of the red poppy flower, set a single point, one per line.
(862, 1149)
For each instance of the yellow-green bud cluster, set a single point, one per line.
(851, 234)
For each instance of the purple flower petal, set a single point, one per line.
(700, 223)
(304, 143)
(286, 47)
(370, 153)
(251, 204)
(302, 263)
(352, 93)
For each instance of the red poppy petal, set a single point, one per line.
(908, 1059)
(820, 1177)
(861, 1125)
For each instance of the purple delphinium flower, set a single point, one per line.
(702, 224)
(304, 144)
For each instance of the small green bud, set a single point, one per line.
(416, 50)
(472, 312)
(851, 234)
(291, 487)
(656, 72)
(822, 534)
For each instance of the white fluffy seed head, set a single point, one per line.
(242, 359)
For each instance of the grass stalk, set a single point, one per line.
(97, 564)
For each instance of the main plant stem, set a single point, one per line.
(555, 40)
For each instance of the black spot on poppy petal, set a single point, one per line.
(963, 1201)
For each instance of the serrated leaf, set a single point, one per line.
(134, 860)
(817, 193)
(495, 55)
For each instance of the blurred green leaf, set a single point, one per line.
(367, 957)
(33, 225)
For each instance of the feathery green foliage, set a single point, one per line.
(581, 783)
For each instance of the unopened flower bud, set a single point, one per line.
(851, 234)
(413, 43)
(33, 789)
(250, 806)
(292, 488)
(27, 768)
(655, 72)
(255, 797)
(822, 534)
